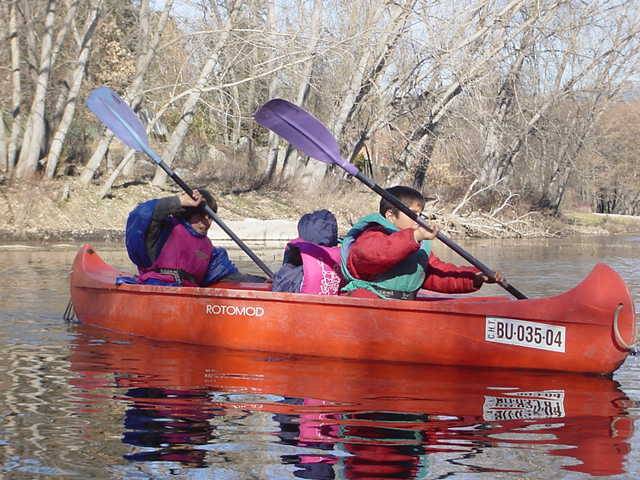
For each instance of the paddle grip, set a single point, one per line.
(395, 201)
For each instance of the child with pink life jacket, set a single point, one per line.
(311, 262)
(167, 240)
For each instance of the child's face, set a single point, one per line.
(401, 221)
(200, 222)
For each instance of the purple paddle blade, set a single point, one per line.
(118, 117)
(303, 131)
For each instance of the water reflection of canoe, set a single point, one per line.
(372, 410)
(582, 330)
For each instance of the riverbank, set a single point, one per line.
(65, 210)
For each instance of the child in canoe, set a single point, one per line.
(167, 240)
(388, 255)
(311, 262)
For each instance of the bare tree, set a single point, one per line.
(290, 164)
(3, 144)
(504, 105)
(76, 79)
(189, 106)
(147, 53)
(498, 165)
(4, 165)
(599, 97)
(34, 133)
(421, 140)
(272, 144)
(16, 90)
(34, 137)
(370, 66)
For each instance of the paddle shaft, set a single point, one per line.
(395, 201)
(156, 158)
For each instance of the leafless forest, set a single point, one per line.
(487, 104)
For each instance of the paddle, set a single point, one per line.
(118, 117)
(309, 135)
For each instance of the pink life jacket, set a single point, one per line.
(320, 266)
(183, 252)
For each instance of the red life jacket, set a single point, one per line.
(184, 255)
(320, 266)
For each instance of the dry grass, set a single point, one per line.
(64, 208)
(610, 223)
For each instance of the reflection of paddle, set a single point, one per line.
(308, 134)
(118, 117)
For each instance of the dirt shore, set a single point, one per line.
(65, 210)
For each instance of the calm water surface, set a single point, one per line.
(80, 403)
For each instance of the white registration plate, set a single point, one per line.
(524, 405)
(525, 334)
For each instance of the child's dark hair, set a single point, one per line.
(213, 205)
(406, 195)
(208, 200)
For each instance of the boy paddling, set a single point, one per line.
(388, 255)
(167, 239)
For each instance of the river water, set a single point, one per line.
(81, 403)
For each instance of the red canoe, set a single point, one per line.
(586, 329)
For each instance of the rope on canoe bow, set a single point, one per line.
(69, 314)
(616, 331)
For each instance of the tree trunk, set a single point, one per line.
(504, 105)
(69, 18)
(35, 131)
(4, 165)
(72, 98)
(272, 144)
(30, 37)
(189, 107)
(291, 164)
(106, 188)
(424, 150)
(3, 144)
(143, 41)
(16, 90)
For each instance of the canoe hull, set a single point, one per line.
(570, 332)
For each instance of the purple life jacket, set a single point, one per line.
(321, 268)
(184, 255)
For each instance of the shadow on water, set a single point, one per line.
(193, 407)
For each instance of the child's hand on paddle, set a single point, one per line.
(187, 201)
(481, 279)
(421, 233)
